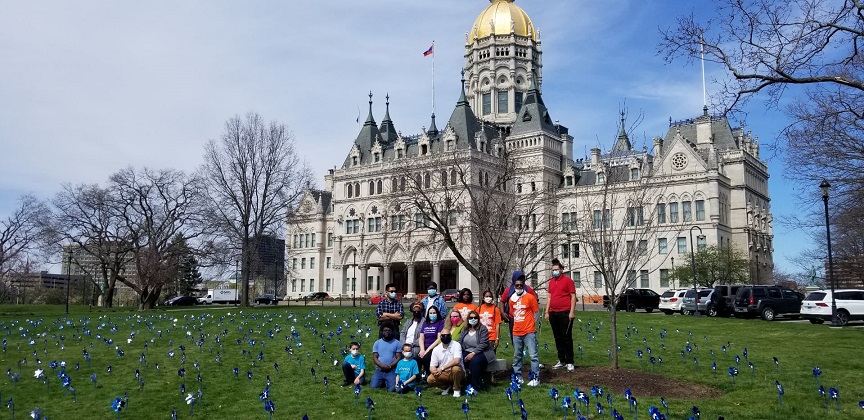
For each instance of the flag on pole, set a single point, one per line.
(430, 51)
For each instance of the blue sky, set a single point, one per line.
(87, 88)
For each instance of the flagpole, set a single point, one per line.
(433, 76)
(704, 90)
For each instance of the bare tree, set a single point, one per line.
(159, 210)
(471, 202)
(99, 243)
(253, 177)
(23, 235)
(617, 225)
(812, 50)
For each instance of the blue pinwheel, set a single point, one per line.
(834, 394)
(357, 393)
(817, 371)
(824, 395)
(776, 364)
(733, 372)
(696, 413)
(370, 405)
(616, 415)
(553, 393)
(471, 392)
(11, 405)
(326, 383)
(509, 393)
(465, 408)
(861, 404)
(599, 409)
(190, 401)
(269, 407)
(752, 369)
(665, 405)
(421, 413)
(655, 413)
(779, 392)
(118, 405)
(565, 406)
(36, 414)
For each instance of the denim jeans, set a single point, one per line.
(529, 342)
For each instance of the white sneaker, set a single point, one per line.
(534, 382)
(542, 366)
(570, 367)
(457, 394)
(558, 365)
(446, 391)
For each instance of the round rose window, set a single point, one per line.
(679, 161)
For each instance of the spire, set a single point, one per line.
(369, 119)
(462, 99)
(533, 94)
(534, 116)
(433, 130)
(388, 131)
(623, 142)
(462, 121)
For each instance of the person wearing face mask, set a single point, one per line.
(454, 323)
(445, 368)
(433, 299)
(508, 293)
(476, 349)
(407, 370)
(490, 316)
(354, 366)
(386, 354)
(390, 309)
(560, 311)
(466, 303)
(523, 306)
(428, 339)
(410, 333)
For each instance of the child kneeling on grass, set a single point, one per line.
(354, 366)
(406, 370)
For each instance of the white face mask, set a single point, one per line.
(515, 296)
(407, 354)
(487, 299)
(472, 322)
(355, 352)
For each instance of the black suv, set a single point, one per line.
(633, 299)
(767, 302)
(723, 300)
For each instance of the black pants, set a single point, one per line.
(350, 376)
(562, 329)
(477, 368)
(423, 362)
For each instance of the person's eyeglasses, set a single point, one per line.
(391, 291)
(519, 286)
(472, 317)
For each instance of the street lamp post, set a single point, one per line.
(354, 282)
(693, 270)
(826, 190)
(68, 278)
(673, 269)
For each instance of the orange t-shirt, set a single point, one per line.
(522, 312)
(490, 316)
(464, 308)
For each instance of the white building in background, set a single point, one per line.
(711, 175)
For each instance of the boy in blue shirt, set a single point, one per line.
(354, 366)
(406, 370)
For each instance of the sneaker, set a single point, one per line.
(558, 365)
(457, 394)
(344, 383)
(446, 391)
(542, 366)
(570, 367)
(534, 382)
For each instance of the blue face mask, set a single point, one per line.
(433, 317)
(432, 292)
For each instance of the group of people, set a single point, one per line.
(445, 346)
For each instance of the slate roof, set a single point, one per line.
(533, 117)
(724, 138)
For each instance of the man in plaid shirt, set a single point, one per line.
(390, 308)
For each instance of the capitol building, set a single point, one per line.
(701, 181)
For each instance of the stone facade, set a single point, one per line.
(708, 172)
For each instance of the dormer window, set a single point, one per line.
(568, 181)
(377, 157)
(354, 160)
(424, 149)
(449, 145)
(399, 153)
(601, 178)
(634, 174)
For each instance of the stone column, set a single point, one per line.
(385, 278)
(364, 271)
(412, 283)
(339, 280)
(436, 273)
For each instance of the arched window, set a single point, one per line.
(357, 189)
(427, 180)
(350, 190)
(371, 187)
(443, 178)
(452, 177)
(380, 187)
(402, 184)
(394, 185)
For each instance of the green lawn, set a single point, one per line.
(215, 331)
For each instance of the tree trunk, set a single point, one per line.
(614, 332)
(148, 297)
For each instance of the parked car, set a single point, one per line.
(726, 305)
(633, 299)
(767, 302)
(696, 300)
(181, 301)
(671, 300)
(376, 297)
(267, 299)
(850, 306)
(318, 296)
(450, 295)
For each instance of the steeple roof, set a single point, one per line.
(388, 132)
(369, 134)
(623, 142)
(433, 129)
(463, 121)
(533, 116)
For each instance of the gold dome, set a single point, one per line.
(502, 17)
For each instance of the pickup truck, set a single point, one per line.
(633, 299)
